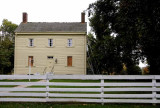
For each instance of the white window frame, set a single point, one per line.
(70, 42)
(50, 42)
(31, 42)
(50, 57)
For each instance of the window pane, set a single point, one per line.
(69, 42)
(50, 42)
(31, 42)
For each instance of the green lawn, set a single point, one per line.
(52, 105)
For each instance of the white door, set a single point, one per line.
(50, 64)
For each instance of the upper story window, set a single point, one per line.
(69, 44)
(50, 42)
(31, 42)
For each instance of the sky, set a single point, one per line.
(44, 10)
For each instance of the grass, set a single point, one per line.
(62, 105)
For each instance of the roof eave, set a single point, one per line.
(50, 33)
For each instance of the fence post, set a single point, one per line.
(102, 91)
(47, 87)
(29, 68)
(154, 92)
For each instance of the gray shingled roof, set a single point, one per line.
(51, 27)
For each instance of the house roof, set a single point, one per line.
(30, 27)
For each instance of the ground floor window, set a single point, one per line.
(69, 60)
(30, 61)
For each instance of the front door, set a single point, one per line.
(50, 64)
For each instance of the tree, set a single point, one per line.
(6, 56)
(127, 34)
(7, 47)
(136, 24)
(103, 55)
(103, 15)
(134, 70)
(106, 55)
(91, 59)
(150, 35)
(142, 20)
(8, 28)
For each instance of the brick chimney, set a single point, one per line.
(25, 17)
(83, 17)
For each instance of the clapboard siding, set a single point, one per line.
(106, 89)
(41, 50)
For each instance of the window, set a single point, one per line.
(69, 42)
(69, 61)
(31, 42)
(50, 57)
(30, 61)
(50, 42)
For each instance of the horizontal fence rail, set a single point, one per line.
(80, 88)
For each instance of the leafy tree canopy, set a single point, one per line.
(8, 27)
(136, 24)
(7, 46)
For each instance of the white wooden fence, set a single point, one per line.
(89, 88)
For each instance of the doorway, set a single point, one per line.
(50, 64)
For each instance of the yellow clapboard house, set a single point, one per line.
(54, 47)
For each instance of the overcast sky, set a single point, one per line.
(43, 10)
